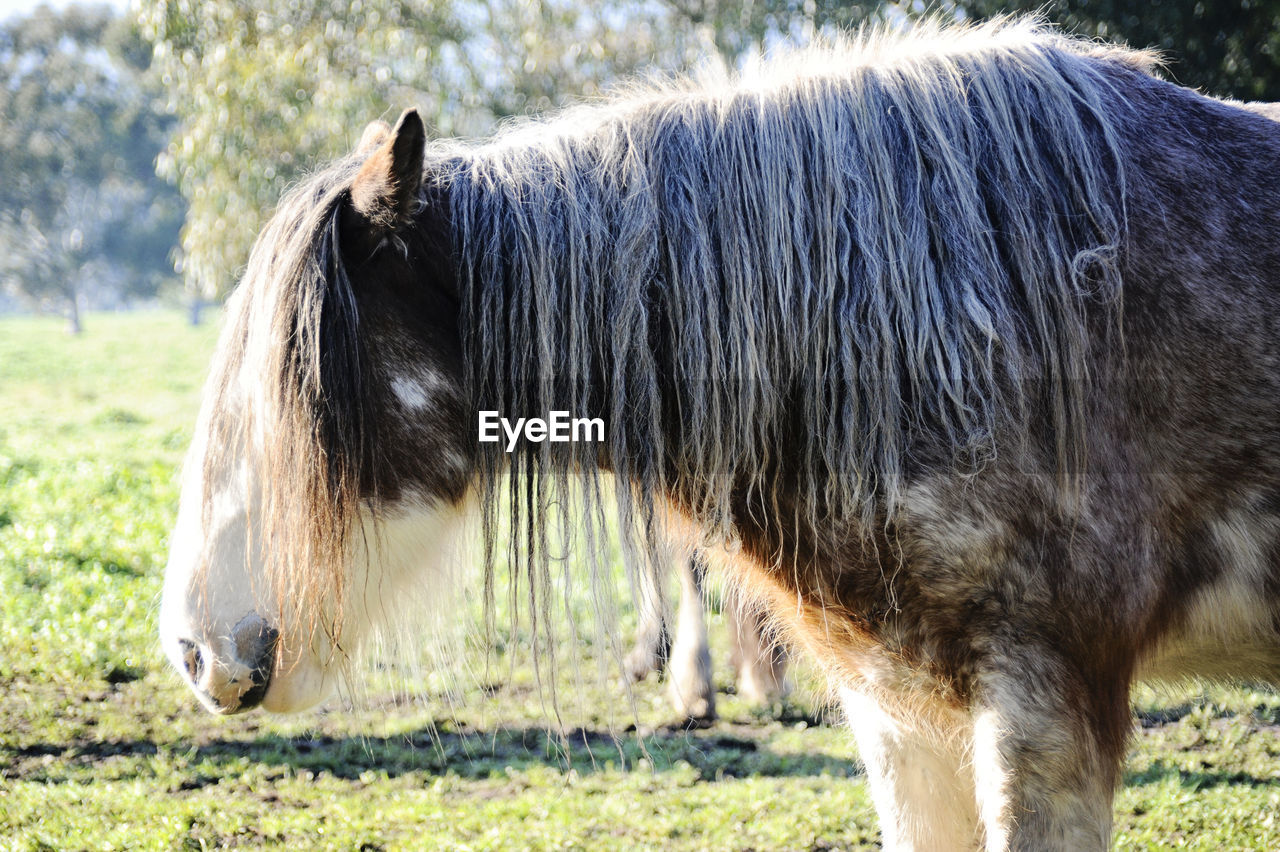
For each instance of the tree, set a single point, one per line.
(1227, 47)
(261, 93)
(81, 209)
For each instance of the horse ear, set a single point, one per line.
(385, 190)
(375, 133)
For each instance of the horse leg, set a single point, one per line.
(690, 687)
(920, 778)
(652, 647)
(759, 662)
(1047, 752)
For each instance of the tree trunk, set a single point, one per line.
(194, 308)
(73, 314)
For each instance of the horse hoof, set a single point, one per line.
(638, 664)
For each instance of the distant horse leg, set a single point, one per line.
(1047, 753)
(652, 647)
(759, 662)
(919, 775)
(690, 687)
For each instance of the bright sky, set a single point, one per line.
(9, 8)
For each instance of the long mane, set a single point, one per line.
(780, 290)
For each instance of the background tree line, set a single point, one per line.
(82, 211)
(139, 154)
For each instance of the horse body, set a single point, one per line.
(989, 434)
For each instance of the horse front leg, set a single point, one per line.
(1047, 751)
(690, 688)
(652, 647)
(919, 773)
(759, 662)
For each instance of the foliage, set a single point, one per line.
(1229, 48)
(526, 56)
(81, 208)
(102, 748)
(263, 91)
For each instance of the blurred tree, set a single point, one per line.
(81, 209)
(263, 90)
(528, 56)
(261, 93)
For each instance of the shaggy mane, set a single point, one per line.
(786, 289)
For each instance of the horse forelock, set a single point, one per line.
(290, 400)
(779, 289)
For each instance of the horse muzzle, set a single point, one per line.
(229, 673)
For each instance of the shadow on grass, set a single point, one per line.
(471, 754)
(1196, 779)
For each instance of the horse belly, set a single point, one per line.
(1229, 633)
(1228, 629)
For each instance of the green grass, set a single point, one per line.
(102, 748)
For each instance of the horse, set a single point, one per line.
(955, 350)
(759, 661)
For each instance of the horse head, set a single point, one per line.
(329, 464)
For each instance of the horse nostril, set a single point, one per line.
(255, 642)
(192, 659)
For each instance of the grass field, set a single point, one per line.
(102, 748)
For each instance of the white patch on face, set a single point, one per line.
(198, 613)
(416, 393)
(415, 389)
(410, 392)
